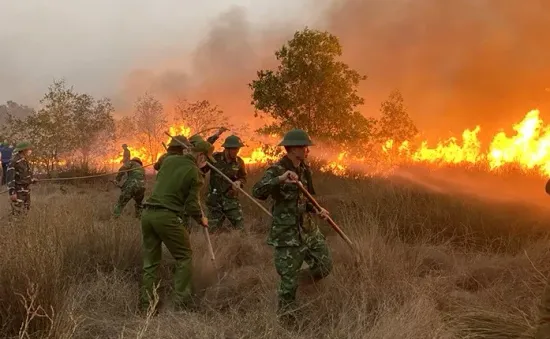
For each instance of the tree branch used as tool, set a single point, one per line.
(210, 248)
(209, 243)
(329, 219)
(226, 178)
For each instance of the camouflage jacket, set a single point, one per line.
(135, 175)
(235, 170)
(290, 209)
(18, 174)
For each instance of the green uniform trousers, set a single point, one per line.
(289, 260)
(164, 226)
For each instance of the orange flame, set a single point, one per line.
(528, 148)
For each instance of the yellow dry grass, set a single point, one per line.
(434, 266)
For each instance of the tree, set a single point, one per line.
(68, 125)
(150, 122)
(200, 115)
(11, 114)
(15, 110)
(125, 130)
(95, 121)
(395, 123)
(312, 90)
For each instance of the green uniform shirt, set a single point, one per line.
(177, 186)
(157, 164)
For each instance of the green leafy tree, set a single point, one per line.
(311, 89)
(69, 126)
(395, 123)
(150, 122)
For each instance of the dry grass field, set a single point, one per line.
(433, 266)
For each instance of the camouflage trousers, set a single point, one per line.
(289, 260)
(128, 193)
(222, 207)
(23, 203)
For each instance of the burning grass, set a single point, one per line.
(435, 266)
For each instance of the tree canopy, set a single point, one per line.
(395, 123)
(150, 122)
(312, 90)
(67, 125)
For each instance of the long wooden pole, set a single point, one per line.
(227, 179)
(329, 219)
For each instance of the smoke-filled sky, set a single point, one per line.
(458, 63)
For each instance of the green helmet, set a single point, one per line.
(296, 137)
(232, 141)
(195, 138)
(205, 147)
(181, 139)
(138, 160)
(23, 145)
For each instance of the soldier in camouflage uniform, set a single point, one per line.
(133, 187)
(293, 234)
(222, 199)
(19, 178)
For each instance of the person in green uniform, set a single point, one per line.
(176, 191)
(19, 177)
(133, 187)
(293, 234)
(223, 201)
(175, 147)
